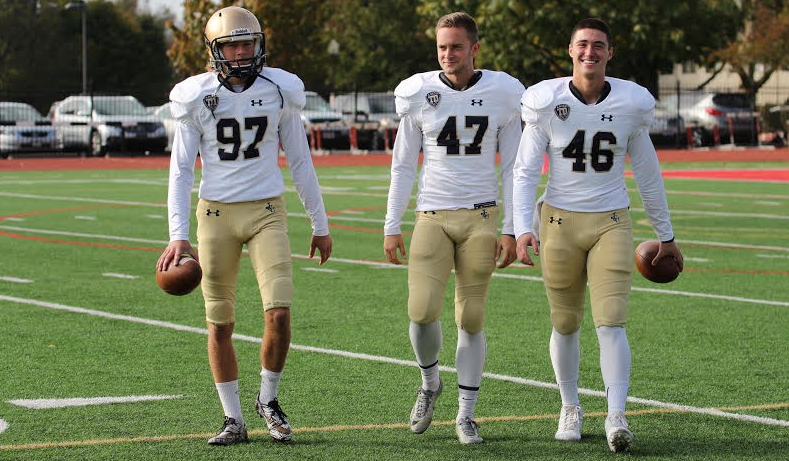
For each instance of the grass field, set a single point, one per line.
(82, 318)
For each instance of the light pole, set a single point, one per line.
(333, 50)
(80, 5)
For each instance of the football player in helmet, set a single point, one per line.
(459, 116)
(236, 115)
(587, 124)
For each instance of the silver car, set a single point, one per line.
(319, 117)
(103, 124)
(24, 129)
(729, 115)
(163, 113)
(374, 114)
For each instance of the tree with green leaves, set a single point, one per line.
(529, 38)
(761, 47)
(188, 51)
(381, 42)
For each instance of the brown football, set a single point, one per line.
(666, 270)
(181, 279)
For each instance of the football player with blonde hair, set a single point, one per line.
(459, 117)
(235, 116)
(588, 124)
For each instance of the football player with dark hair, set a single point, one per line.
(236, 116)
(588, 124)
(459, 117)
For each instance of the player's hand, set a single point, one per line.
(323, 244)
(669, 249)
(171, 254)
(393, 244)
(506, 251)
(526, 241)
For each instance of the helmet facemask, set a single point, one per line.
(235, 24)
(238, 67)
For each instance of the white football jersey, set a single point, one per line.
(237, 136)
(459, 133)
(587, 147)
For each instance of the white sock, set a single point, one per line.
(615, 365)
(565, 353)
(231, 403)
(470, 362)
(467, 402)
(426, 339)
(269, 385)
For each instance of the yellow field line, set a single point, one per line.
(358, 427)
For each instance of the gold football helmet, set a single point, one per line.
(234, 24)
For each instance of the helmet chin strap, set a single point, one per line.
(223, 82)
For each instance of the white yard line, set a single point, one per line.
(43, 404)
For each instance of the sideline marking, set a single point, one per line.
(347, 427)
(120, 276)
(14, 279)
(43, 404)
(406, 363)
(3, 426)
(320, 269)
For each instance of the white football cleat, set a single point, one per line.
(422, 413)
(571, 418)
(617, 432)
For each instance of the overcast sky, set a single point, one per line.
(176, 6)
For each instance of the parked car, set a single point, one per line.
(668, 127)
(317, 115)
(24, 129)
(163, 113)
(704, 111)
(103, 124)
(372, 114)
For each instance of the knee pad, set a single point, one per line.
(566, 323)
(470, 314)
(611, 313)
(425, 299)
(276, 290)
(220, 312)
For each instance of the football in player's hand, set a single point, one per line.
(181, 279)
(666, 269)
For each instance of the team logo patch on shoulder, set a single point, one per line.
(562, 111)
(211, 102)
(433, 98)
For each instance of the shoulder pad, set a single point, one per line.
(643, 98)
(189, 93)
(639, 98)
(509, 84)
(538, 99)
(291, 86)
(407, 90)
(539, 96)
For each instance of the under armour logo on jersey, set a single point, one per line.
(615, 217)
(562, 111)
(270, 207)
(476, 102)
(555, 220)
(208, 212)
(211, 102)
(606, 118)
(258, 102)
(485, 214)
(433, 98)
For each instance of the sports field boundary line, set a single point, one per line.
(382, 359)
